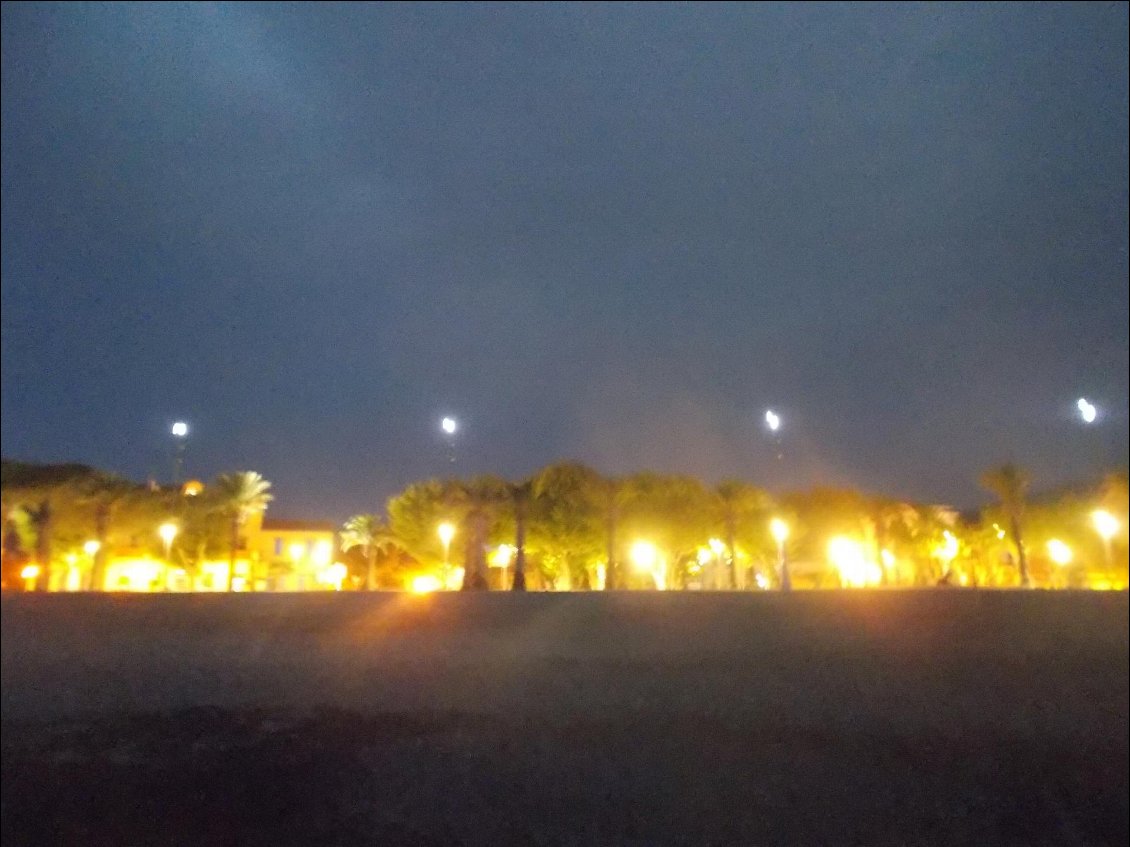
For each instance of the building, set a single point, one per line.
(295, 555)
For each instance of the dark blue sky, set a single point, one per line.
(611, 233)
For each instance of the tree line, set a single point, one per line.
(569, 526)
(52, 508)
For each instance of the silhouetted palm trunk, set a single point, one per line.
(474, 557)
(101, 532)
(44, 527)
(731, 546)
(233, 548)
(611, 572)
(1021, 556)
(519, 543)
(371, 565)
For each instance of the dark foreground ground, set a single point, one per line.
(928, 718)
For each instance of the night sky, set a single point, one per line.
(610, 233)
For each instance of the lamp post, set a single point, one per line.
(773, 424)
(1106, 525)
(168, 531)
(780, 531)
(645, 556)
(446, 532)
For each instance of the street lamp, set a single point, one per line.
(92, 547)
(1107, 526)
(446, 532)
(645, 556)
(168, 531)
(780, 532)
(1059, 552)
(501, 558)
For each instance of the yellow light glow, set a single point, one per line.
(455, 579)
(644, 555)
(703, 556)
(888, 558)
(446, 532)
(1106, 524)
(30, 572)
(947, 551)
(501, 556)
(848, 557)
(323, 551)
(717, 546)
(91, 547)
(1059, 552)
(297, 552)
(761, 581)
(168, 531)
(334, 575)
(133, 575)
(779, 530)
(425, 584)
(192, 488)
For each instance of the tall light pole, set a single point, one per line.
(780, 531)
(773, 424)
(449, 426)
(446, 532)
(180, 433)
(1106, 525)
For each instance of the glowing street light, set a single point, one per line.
(180, 429)
(29, 574)
(772, 420)
(1107, 526)
(92, 547)
(1059, 552)
(425, 584)
(448, 425)
(780, 532)
(168, 531)
(645, 556)
(501, 557)
(1087, 411)
(446, 532)
(335, 575)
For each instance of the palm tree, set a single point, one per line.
(241, 495)
(42, 518)
(616, 495)
(480, 501)
(736, 504)
(371, 534)
(520, 493)
(1010, 483)
(106, 492)
(567, 517)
